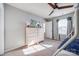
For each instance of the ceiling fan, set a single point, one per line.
(55, 6)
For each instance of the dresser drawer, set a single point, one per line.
(34, 35)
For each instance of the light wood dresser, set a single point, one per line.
(34, 35)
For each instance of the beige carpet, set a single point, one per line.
(46, 48)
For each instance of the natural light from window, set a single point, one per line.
(36, 48)
(62, 26)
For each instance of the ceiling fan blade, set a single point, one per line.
(56, 5)
(63, 7)
(51, 12)
(51, 5)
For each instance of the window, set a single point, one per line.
(62, 26)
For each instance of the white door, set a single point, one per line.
(48, 29)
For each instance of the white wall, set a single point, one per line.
(48, 29)
(15, 21)
(1, 29)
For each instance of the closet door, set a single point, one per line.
(48, 30)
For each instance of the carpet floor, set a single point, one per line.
(45, 48)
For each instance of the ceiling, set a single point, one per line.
(42, 9)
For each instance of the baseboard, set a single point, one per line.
(9, 50)
(48, 38)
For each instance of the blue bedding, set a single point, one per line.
(72, 47)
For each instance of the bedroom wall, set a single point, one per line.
(1, 29)
(15, 21)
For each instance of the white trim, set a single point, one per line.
(2, 29)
